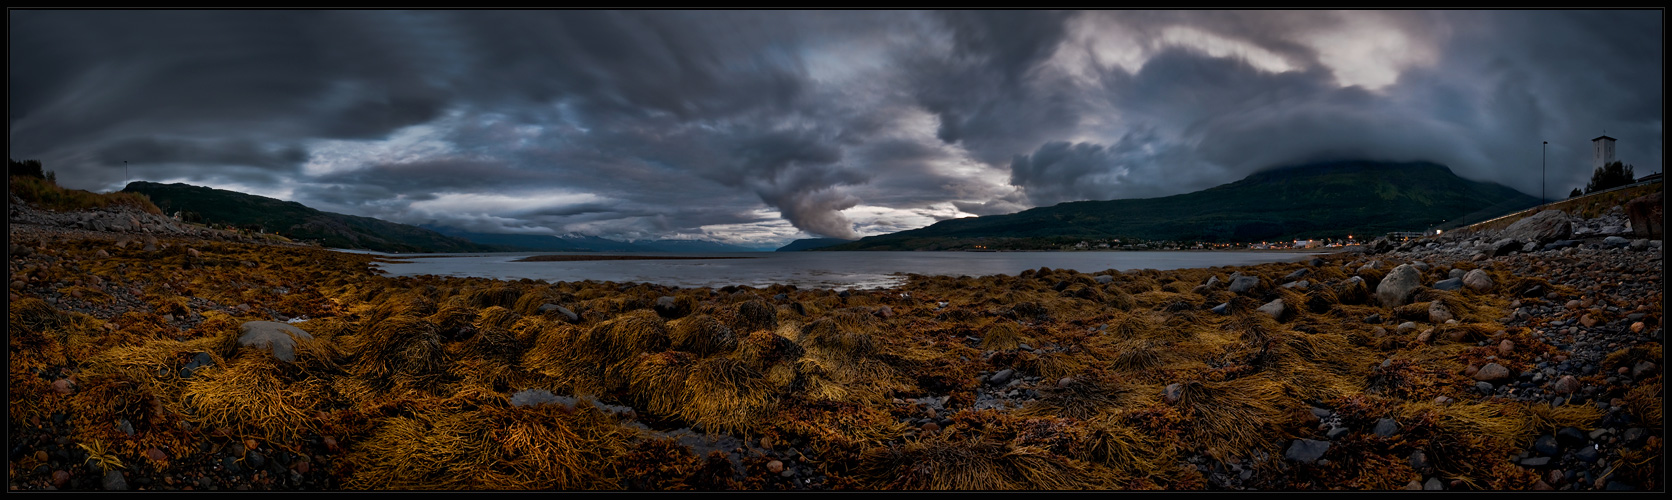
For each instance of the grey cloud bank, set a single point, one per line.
(761, 127)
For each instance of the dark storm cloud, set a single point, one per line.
(431, 174)
(987, 90)
(1482, 107)
(660, 123)
(143, 150)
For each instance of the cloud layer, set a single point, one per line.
(759, 127)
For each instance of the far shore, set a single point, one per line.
(573, 258)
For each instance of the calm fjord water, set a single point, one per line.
(834, 270)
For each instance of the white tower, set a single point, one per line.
(1602, 151)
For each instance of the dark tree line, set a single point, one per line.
(1610, 176)
(28, 168)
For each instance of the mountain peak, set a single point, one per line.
(1312, 200)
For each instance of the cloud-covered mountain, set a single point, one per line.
(1324, 200)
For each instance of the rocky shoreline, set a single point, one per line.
(1521, 359)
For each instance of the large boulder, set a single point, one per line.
(1648, 217)
(1477, 280)
(275, 337)
(1275, 309)
(1381, 245)
(1541, 228)
(1244, 284)
(1397, 286)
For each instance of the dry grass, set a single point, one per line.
(518, 448)
(942, 463)
(50, 196)
(1231, 418)
(598, 360)
(255, 395)
(702, 334)
(400, 351)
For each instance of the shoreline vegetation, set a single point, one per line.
(158, 357)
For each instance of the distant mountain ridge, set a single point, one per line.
(811, 243)
(583, 243)
(297, 221)
(1320, 200)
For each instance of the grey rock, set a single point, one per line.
(1640, 244)
(1535, 461)
(199, 361)
(1274, 309)
(1380, 245)
(1386, 427)
(1244, 284)
(1477, 280)
(1438, 313)
(1433, 484)
(1397, 286)
(1530, 246)
(1504, 247)
(113, 481)
(558, 310)
(275, 337)
(1306, 450)
(1001, 377)
(1449, 284)
(1541, 228)
(1104, 279)
(1588, 454)
(1406, 327)
(1336, 432)
(1546, 445)
(1456, 273)
(1566, 385)
(1616, 242)
(1418, 460)
(1297, 274)
(1492, 372)
(1222, 308)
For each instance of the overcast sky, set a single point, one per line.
(757, 128)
